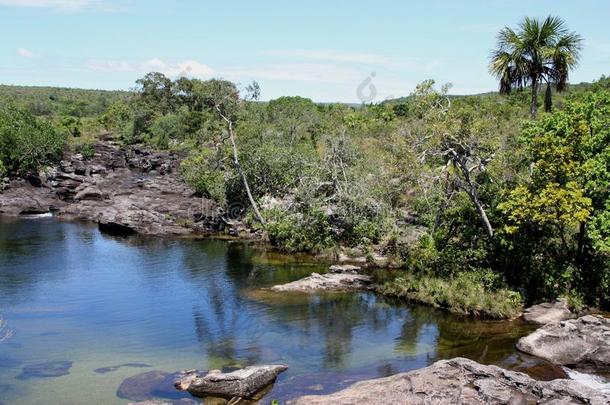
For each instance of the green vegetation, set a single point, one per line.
(510, 210)
(27, 143)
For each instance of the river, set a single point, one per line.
(88, 302)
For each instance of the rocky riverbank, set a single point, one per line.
(123, 189)
(460, 381)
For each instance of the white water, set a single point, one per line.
(44, 215)
(592, 381)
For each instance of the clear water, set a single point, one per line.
(70, 293)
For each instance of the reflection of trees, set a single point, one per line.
(488, 342)
(29, 252)
(223, 323)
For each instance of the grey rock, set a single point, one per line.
(148, 197)
(460, 381)
(582, 343)
(244, 383)
(344, 268)
(548, 312)
(327, 282)
(149, 386)
(45, 370)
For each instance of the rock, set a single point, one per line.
(548, 312)
(89, 193)
(582, 343)
(148, 386)
(104, 370)
(45, 370)
(460, 381)
(244, 383)
(327, 282)
(183, 401)
(344, 268)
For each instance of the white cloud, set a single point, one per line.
(25, 53)
(63, 5)
(189, 68)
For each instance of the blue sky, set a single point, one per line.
(318, 49)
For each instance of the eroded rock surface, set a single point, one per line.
(327, 282)
(344, 268)
(244, 383)
(150, 386)
(460, 381)
(582, 343)
(119, 187)
(45, 370)
(548, 312)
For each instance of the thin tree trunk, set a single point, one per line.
(244, 180)
(257, 213)
(548, 98)
(534, 105)
(488, 228)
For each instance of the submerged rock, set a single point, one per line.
(148, 386)
(327, 282)
(548, 312)
(244, 383)
(582, 343)
(45, 370)
(459, 381)
(104, 370)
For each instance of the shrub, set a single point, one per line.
(200, 171)
(27, 143)
(87, 149)
(306, 232)
(468, 293)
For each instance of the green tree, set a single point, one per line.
(27, 143)
(537, 52)
(292, 114)
(568, 193)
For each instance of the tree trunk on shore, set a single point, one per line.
(534, 104)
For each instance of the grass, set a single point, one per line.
(463, 294)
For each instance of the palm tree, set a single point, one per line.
(537, 52)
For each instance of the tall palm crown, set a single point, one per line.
(535, 53)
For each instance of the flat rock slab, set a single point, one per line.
(548, 312)
(327, 282)
(460, 381)
(582, 343)
(244, 383)
(150, 386)
(45, 370)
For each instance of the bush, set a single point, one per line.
(26, 143)
(87, 149)
(200, 171)
(468, 293)
(299, 232)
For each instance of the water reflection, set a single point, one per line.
(73, 294)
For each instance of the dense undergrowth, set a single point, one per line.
(509, 210)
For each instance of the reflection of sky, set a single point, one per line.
(72, 293)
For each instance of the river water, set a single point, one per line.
(85, 302)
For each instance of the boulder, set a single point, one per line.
(327, 282)
(460, 381)
(548, 312)
(89, 193)
(582, 343)
(244, 383)
(344, 268)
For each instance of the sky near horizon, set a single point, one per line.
(324, 50)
